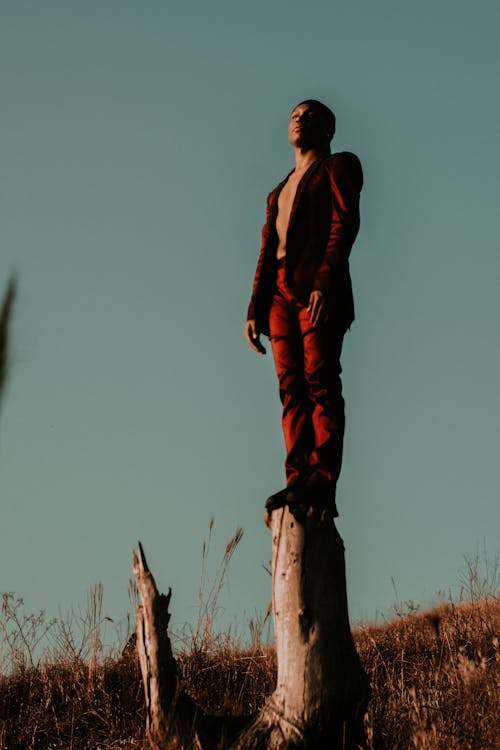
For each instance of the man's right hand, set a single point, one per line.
(253, 336)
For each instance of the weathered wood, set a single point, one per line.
(158, 667)
(173, 720)
(322, 689)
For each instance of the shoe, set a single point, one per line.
(296, 495)
(278, 500)
(322, 495)
(291, 495)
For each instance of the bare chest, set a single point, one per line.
(285, 203)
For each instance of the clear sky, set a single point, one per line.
(138, 142)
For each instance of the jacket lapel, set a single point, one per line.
(301, 187)
(276, 193)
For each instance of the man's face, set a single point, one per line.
(307, 128)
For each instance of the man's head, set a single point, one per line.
(312, 125)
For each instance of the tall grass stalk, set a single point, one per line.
(5, 319)
(209, 591)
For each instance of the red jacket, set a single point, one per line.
(324, 222)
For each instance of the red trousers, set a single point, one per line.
(308, 367)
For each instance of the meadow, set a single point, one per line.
(435, 676)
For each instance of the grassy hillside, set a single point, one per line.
(435, 681)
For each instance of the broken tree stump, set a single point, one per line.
(173, 720)
(158, 667)
(322, 689)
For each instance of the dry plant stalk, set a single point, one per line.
(5, 316)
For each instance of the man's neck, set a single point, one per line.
(305, 157)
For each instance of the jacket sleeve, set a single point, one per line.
(346, 181)
(266, 230)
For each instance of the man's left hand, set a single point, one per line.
(317, 307)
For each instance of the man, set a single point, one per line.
(302, 299)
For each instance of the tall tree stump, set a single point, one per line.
(322, 689)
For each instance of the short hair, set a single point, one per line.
(325, 111)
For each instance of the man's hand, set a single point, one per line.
(253, 337)
(317, 307)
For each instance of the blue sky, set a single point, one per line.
(138, 142)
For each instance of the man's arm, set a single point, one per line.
(251, 332)
(252, 336)
(346, 180)
(316, 307)
(266, 231)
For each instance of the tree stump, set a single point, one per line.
(322, 689)
(158, 667)
(173, 720)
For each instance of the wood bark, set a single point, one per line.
(173, 720)
(158, 668)
(321, 691)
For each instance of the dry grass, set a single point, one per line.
(435, 681)
(57, 689)
(69, 705)
(435, 675)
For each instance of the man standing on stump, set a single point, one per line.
(302, 300)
